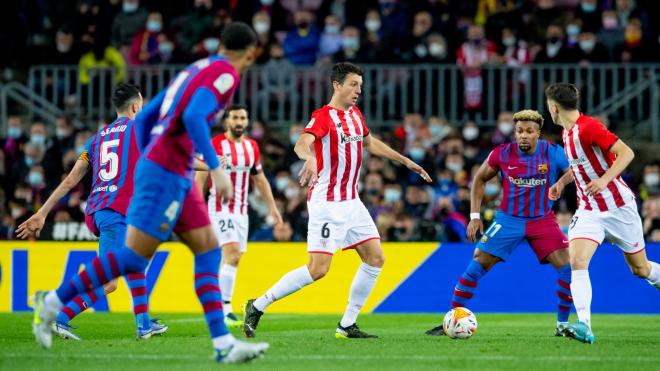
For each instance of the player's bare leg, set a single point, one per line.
(315, 269)
(204, 245)
(364, 281)
(560, 260)
(644, 268)
(231, 256)
(581, 251)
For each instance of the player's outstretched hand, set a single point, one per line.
(596, 186)
(419, 170)
(555, 191)
(277, 217)
(34, 225)
(475, 226)
(222, 183)
(308, 173)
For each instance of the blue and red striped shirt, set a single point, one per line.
(527, 178)
(112, 154)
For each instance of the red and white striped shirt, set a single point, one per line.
(338, 148)
(243, 160)
(587, 146)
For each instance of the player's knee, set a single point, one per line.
(579, 263)
(641, 271)
(317, 273)
(376, 260)
(110, 286)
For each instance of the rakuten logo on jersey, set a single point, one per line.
(116, 129)
(354, 138)
(529, 183)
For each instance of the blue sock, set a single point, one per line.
(137, 283)
(100, 271)
(467, 284)
(564, 293)
(79, 304)
(207, 288)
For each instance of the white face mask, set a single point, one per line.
(587, 45)
(154, 26)
(437, 50)
(130, 7)
(552, 49)
(261, 27)
(281, 183)
(372, 25)
(454, 166)
(211, 44)
(61, 133)
(652, 179)
(470, 133)
(332, 29)
(505, 127)
(509, 41)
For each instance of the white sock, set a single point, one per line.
(654, 276)
(53, 301)
(227, 281)
(581, 292)
(363, 282)
(223, 342)
(288, 284)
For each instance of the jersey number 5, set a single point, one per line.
(110, 158)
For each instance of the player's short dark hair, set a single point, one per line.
(235, 107)
(342, 69)
(565, 94)
(125, 95)
(238, 36)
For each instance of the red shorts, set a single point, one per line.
(194, 213)
(545, 236)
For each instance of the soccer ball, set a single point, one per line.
(460, 323)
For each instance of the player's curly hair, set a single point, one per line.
(528, 115)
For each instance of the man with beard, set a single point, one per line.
(229, 218)
(528, 167)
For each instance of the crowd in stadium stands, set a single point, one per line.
(32, 163)
(116, 33)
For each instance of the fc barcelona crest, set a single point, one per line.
(543, 168)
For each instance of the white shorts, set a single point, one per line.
(622, 227)
(230, 228)
(344, 224)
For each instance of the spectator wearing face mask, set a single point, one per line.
(65, 49)
(503, 132)
(144, 49)
(351, 50)
(627, 10)
(553, 50)
(611, 33)
(196, 24)
(516, 53)
(169, 52)
(126, 24)
(544, 14)
(590, 50)
(209, 45)
(475, 52)
(34, 155)
(632, 50)
(50, 154)
(573, 30)
(331, 37)
(301, 42)
(650, 183)
(590, 13)
(13, 139)
(414, 46)
(64, 133)
(438, 49)
(376, 47)
(261, 23)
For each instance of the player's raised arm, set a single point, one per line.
(377, 147)
(36, 222)
(484, 174)
(624, 156)
(303, 149)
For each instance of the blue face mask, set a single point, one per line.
(293, 138)
(392, 195)
(37, 139)
(130, 7)
(417, 154)
(14, 132)
(588, 7)
(211, 45)
(29, 161)
(154, 26)
(35, 179)
(491, 189)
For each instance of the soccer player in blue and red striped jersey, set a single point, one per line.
(174, 126)
(111, 155)
(528, 168)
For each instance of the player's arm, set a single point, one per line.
(199, 165)
(624, 156)
(36, 222)
(202, 181)
(303, 149)
(261, 183)
(147, 119)
(202, 105)
(484, 174)
(377, 147)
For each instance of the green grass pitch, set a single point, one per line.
(306, 342)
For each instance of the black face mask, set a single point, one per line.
(303, 25)
(554, 39)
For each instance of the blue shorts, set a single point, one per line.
(111, 227)
(507, 232)
(159, 199)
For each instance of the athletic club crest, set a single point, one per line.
(543, 168)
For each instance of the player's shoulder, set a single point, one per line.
(503, 148)
(585, 123)
(321, 113)
(216, 140)
(252, 142)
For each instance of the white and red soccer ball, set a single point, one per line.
(460, 323)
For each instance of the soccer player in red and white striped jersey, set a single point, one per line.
(337, 217)
(606, 206)
(229, 218)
